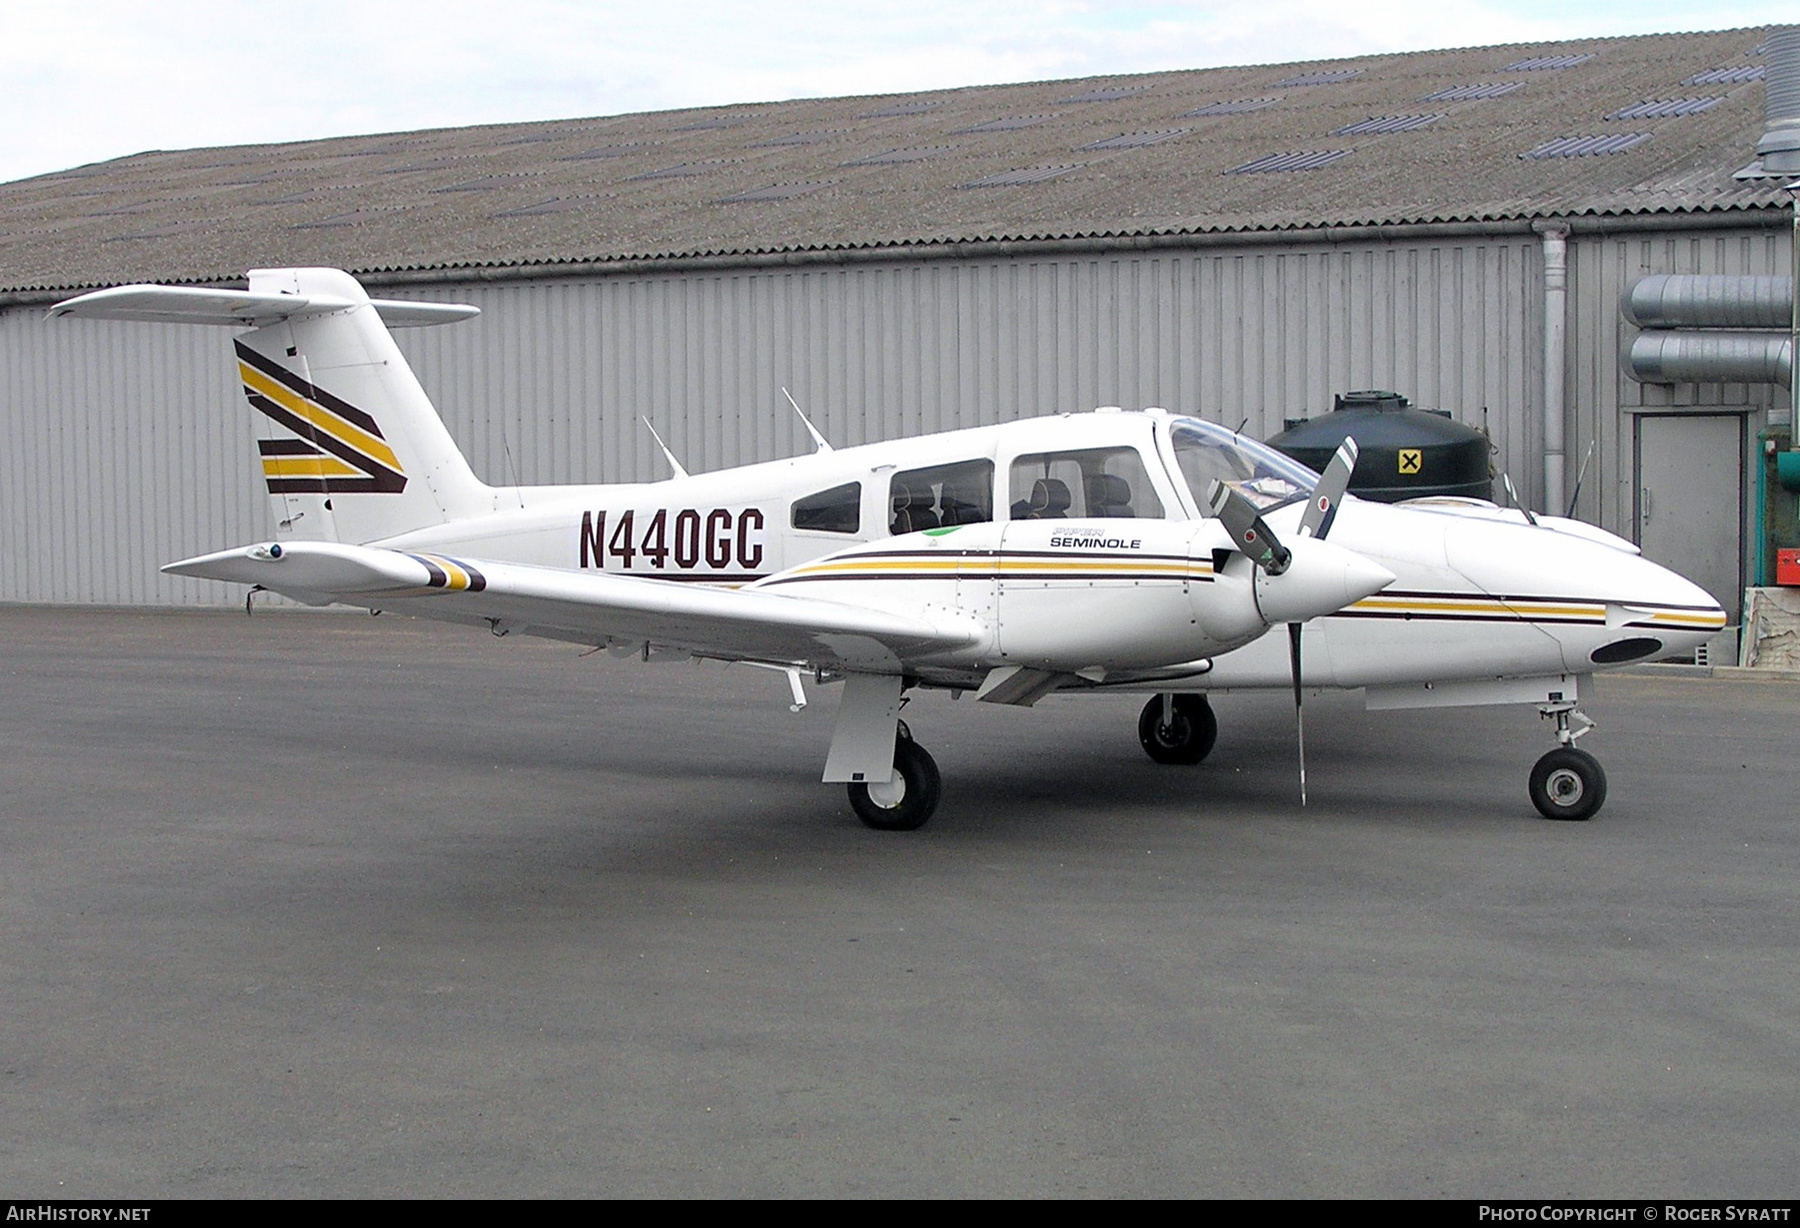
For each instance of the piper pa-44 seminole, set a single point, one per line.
(1128, 551)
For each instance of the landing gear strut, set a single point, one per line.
(909, 799)
(1567, 783)
(1178, 728)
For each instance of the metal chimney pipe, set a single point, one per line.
(1780, 144)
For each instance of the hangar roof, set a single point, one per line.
(1611, 126)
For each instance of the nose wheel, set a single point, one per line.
(1567, 783)
(1178, 728)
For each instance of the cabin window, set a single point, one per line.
(838, 510)
(941, 496)
(1093, 482)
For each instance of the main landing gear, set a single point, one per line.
(1178, 728)
(910, 798)
(1567, 783)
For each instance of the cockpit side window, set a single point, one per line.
(1207, 453)
(1092, 482)
(941, 496)
(838, 510)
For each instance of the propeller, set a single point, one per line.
(1245, 524)
(1252, 536)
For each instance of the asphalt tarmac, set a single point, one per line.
(319, 905)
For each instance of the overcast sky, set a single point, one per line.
(88, 80)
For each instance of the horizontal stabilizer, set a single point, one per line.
(242, 308)
(735, 624)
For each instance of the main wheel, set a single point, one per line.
(1189, 735)
(909, 800)
(1568, 784)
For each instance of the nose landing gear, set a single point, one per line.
(1567, 783)
(1178, 728)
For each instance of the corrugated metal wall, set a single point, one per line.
(128, 445)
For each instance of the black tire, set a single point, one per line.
(919, 793)
(1568, 784)
(1189, 736)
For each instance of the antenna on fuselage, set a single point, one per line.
(668, 455)
(1512, 493)
(807, 422)
(1580, 474)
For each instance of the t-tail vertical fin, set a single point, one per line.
(351, 448)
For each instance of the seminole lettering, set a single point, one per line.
(1095, 543)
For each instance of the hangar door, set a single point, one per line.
(1690, 500)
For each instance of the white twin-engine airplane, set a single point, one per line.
(1137, 551)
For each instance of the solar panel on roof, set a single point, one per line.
(1111, 93)
(1006, 179)
(603, 151)
(1236, 106)
(683, 170)
(1587, 146)
(343, 219)
(1728, 76)
(433, 164)
(478, 185)
(1467, 93)
(901, 108)
(774, 191)
(1542, 63)
(1319, 78)
(800, 138)
(386, 147)
(1136, 140)
(899, 155)
(1008, 123)
(1387, 123)
(556, 204)
(1306, 161)
(1665, 108)
(161, 232)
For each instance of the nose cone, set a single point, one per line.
(1320, 578)
(1604, 605)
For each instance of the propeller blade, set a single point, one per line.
(1299, 711)
(1246, 527)
(1321, 510)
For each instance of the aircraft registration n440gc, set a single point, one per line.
(1141, 551)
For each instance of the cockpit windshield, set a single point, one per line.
(1207, 451)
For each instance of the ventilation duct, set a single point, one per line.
(1780, 144)
(1745, 323)
(1660, 356)
(1673, 300)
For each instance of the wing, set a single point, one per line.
(591, 608)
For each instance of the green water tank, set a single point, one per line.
(1403, 452)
